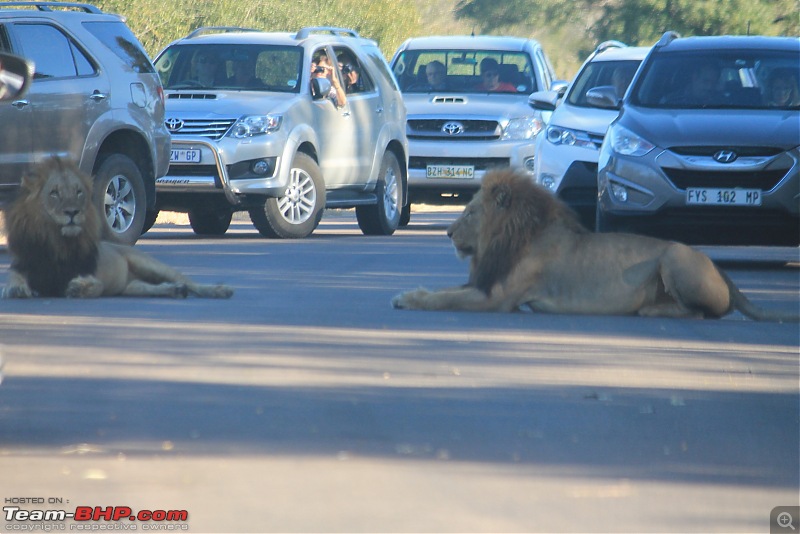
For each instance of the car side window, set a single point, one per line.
(53, 53)
(356, 77)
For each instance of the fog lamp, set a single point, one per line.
(619, 192)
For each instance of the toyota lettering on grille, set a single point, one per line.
(453, 128)
(174, 125)
(725, 156)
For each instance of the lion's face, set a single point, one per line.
(464, 230)
(65, 199)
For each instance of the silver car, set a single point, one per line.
(468, 112)
(567, 150)
(95, 98)
(257, 126)
(702, 150)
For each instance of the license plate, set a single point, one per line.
(709, 196)
(462, 172)
(183, 155)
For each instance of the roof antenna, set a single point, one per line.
(748, 28)
(473, 32)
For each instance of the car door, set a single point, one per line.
(336, 129)
(15, 135)
(366, 112)
(69, 93)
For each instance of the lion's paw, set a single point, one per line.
(83, 287)
(221, 291)
(17, 292)
(410, 299)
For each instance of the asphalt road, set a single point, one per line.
(306, 404)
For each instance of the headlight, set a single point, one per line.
(627, 143)
(565, 136)
(522, 128)
(256, 125)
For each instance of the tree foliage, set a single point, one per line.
(636, 22)
(157, 23)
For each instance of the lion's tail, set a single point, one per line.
(742, 304)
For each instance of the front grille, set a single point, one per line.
(741, 151)
(472, 129)
(480, 164)
(212, 129)
(764, 180)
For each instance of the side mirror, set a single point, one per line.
(320, 88)
(604, 96)
(560, 87)
(543, 100)
(16, 74)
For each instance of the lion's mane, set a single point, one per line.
(514, 212)
(47, 258)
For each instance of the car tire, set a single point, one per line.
(209, 221)
(297, 213)
(150, 218)
(405, 215)
(383, 217)
(119, 194)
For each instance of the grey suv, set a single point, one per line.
(467, 100)
(255, 127)
(703, 150)
(95, 98)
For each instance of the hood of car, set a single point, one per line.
(454, 105)
(232, 104)
(584, 119)
(714, 127)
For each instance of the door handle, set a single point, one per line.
(19, 104)
(379, 110)
(97, 96)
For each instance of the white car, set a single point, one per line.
(567, 151)
(468, 112)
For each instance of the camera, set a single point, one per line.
(346, 69)
(319, 70)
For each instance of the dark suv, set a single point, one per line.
(703, 149)
(95, 98)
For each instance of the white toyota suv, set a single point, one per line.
(255, 128)
(468, 112)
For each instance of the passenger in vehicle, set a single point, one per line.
(244, 73)
(490, 74)
(206, 69)
(782, 89)
(436, 73)
(321, 67)
(703, 87)
(352, 78)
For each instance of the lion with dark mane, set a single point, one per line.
(527, 249)
(54, 237)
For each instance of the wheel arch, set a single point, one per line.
(133, 145)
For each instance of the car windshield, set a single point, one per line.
(617, 74)
(464, 71)
(721, 79)
(231, 67)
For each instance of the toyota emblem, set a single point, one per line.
(173, 125)
(453, 128)
(725, 156)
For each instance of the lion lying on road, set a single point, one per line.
(56, 250)
(527, 248)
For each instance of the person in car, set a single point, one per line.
(703, 87)
(490, 74)
(621, 78)
(321, 67)
(782, 89)
(352, 78)
(244, 73)
(436, 74)
(206, 69)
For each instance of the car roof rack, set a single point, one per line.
(605, 45)
(218, 29)
(47, 6)
(333, 30)
(667, 38)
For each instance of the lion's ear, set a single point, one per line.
(501, 193)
